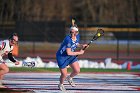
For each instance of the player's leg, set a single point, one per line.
(3, 70)
(62, 79)
(75, 70)
(63, 75)
(1, 77)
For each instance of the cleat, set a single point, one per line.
(2, 86)
(71, 82)
(61, 87)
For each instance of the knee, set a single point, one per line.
(6, 70)
(63, 74)
(77, 71)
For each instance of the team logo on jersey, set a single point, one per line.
(69, 45)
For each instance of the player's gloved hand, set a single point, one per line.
(16, 63)
(85, 45)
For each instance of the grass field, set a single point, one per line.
(85, 70)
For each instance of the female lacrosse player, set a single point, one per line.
(6, 47)
(66, 55)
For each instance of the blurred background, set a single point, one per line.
(42, 25)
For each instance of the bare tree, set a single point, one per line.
(95, 11)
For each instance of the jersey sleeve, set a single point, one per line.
(68, 42)
(11, 58)
(2, 45)
(78, 38)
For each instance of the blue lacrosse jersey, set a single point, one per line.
(62, 57)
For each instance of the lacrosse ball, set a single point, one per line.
(98, 34)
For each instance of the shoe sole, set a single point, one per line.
(61, 89)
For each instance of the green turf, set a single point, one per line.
(25, 69)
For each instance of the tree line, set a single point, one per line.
(86, 11)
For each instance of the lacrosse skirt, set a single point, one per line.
(64, 61)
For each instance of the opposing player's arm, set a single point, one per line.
(69, 52)
(11, 58)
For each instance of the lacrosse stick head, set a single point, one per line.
(100, 32)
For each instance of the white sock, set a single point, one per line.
(0, 82)
(70, 77)
(60, 84)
